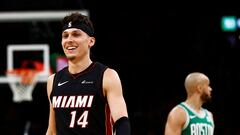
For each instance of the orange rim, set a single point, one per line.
(27, 75)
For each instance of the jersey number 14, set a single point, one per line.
(82, 120)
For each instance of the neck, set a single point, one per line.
(77, 67)
(195, 103)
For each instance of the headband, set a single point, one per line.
(80, 26)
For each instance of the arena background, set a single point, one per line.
(152, 45)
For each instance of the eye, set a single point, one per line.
(76, 34)
(64, 35)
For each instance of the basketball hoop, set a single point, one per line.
(23, 73)
(25, 82)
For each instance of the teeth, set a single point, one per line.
(71, 48)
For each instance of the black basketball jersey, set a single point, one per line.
(78, 101)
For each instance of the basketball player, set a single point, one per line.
(189, 117)
(86, 96)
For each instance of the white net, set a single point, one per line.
(23, 87)
(22, 92)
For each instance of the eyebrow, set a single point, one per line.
(75, 30)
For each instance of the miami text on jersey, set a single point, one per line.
(82, 101)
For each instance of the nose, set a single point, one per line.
(69, 37)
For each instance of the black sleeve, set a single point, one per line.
(122, 126)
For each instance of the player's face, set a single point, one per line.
(76, 43)
(206, 92)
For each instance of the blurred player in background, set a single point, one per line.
(189, 117)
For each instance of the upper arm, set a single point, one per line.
(113, 91)
(51, 124)
(175, 121)
(49, 85)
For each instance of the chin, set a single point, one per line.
(71, 57)
(206, 98)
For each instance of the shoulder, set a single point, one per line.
(50, 84)
(209, 113)
(178, 114)
(110, 76)
(111, 81)
(110, 73)
(177, 111)
(50, 78)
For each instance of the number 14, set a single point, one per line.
(82, 121)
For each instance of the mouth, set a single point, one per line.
(71, 48)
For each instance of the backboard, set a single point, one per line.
(17, 57)
(23, 52)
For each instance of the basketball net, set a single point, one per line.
(23, 87)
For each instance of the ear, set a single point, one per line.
(199, 88)
(92, 41)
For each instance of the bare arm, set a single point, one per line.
(113, 91)
(175, 121)
(51, 125)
